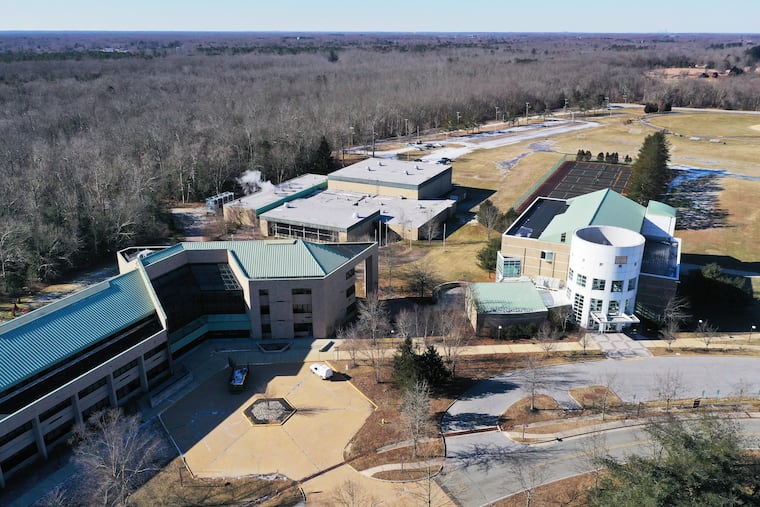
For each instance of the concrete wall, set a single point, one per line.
(377, 188)
(437, 186)
(529, 250)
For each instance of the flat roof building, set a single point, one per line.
(494, 306)
(397, 178)
(337, 215)
(245, 210)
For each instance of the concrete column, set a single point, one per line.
(77, 409)
(112, 391)
(38, 437)
(370, 274)
(143, 374)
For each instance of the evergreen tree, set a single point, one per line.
(650, 173)
(431, 368)
(322, 161)
(487, 255)
(405, 365)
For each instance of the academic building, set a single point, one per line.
(116, 340)
(610, 255)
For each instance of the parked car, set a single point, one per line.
(321, 370)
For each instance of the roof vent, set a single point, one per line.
(406, 172)
(369, 168)
(380, 163)
(355, 216)
(418, 168)
(288, 205)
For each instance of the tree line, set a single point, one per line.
(92, 146)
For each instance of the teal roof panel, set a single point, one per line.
(282, 258)
(506, 297)
(657, 208)
(603, 207)
(39, 339)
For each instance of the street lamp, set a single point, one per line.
(565, 108)
(497, 113)
(406, 127)
(458, 116)
(499, 331)
(607, 99)
(751, 330)
(527, 106)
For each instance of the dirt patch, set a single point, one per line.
(546, 409)
(595, 397)
(755, 127)
(569, 492)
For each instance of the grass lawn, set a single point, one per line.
(742, 232)
(709, 124)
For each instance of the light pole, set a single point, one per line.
(751, 330)
(527, 106)
(565, 108)
(458, 116)
(499, 331)
(406, 127)
(607, 99)
(497, 113)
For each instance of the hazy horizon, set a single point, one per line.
(390, 16)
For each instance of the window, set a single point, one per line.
(570, 275)
(627, 308)
(617, 286)
(632, 284)
(547, 256)
(569, 293)
(581, 281)
(302, 308)
(512, 268)
(563, 237)
(614, 307)
(124, 369)
(264, 309)
(350, 291)
(351, 272)
(301, 291)
(598, 284)
(621, 259)
(578, 307)
(596, 305)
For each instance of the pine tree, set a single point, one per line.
(650, 173)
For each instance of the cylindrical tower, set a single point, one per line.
(603, 273)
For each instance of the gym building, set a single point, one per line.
(116, 340)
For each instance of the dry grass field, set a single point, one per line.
(709, 124)
(513, 170)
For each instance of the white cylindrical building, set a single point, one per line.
(602, 278)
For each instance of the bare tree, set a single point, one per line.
(415, 413)
(676, 312)
(489, 216)
(530, 475)
(584, 340)
(373, 316)
(545, 337)
(350, 342)
(706, 332)
(421, 278)
(455, 332)
(114, 455)
(608, 384)
(595, 449)
(375, 354)
(404, 323)
(667, 387)
(534, 378)
(351, 494)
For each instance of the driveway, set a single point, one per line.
(483, 467)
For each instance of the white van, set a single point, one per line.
(322, 370)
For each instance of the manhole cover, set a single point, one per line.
(269, 411)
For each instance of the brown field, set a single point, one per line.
(709, 124)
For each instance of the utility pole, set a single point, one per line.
(497, 113)
(458, 116)
(527, 106)
(373, 141)
(565, 108)
(406, 127)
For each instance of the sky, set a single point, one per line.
(600, 16)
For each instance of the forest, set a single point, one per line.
(99, 132)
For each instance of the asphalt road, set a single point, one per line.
(480, 468)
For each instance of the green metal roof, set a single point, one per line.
(39, 339)
(603, 207)
(276, 258)
(506, 297)
(657, 208)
